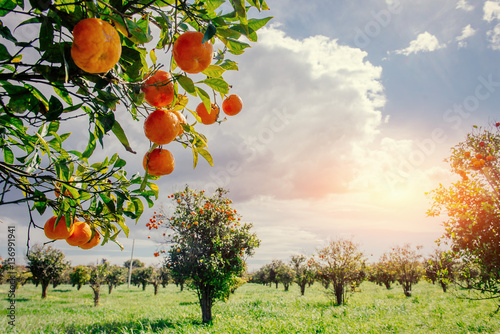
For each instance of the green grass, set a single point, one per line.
(252, 309)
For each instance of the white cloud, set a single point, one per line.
(492, 13)
(462, 4)
(425, 42)
(491, 10)
(467, 32)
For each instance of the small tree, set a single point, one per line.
(17, 276)
(46, 263)
(115, 277)
(440, 266)
(406, 263)
(80, 275)
(97, 278)
(383, 272)
(304, 271)
(142, 276)
(136, 263)
(285, 275)
(339, 263)
(165, 276)
(155, 279)
(208, 244)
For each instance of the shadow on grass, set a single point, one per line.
(135, 326)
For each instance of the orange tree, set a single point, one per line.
(382, 272)
(208, 244)
(405, 262)
(87, 60)
(80, 275)
(46, 264)
(339, 264)
(440, 266)
(471, 207)
(304, 271)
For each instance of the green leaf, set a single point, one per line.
(4, 54)
(234, 46)
(214, 71)
(46, 32)
(55, 109)
(8, 155)
(63, 93)
(6, 6)
(205, 98)
(124, 227)
(229, 65)
(90, 146)
(239, 7)
(217, 84)
(187, 84)
(122, 137)
(205, 154)
(209, 33)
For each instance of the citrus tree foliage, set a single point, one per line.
(339, 265)
(116, 275)
(304, 270)
(98, 275)
(285, 275)
(141, 276)
(407, 265)
(472, 208)
(16, 276)
(382, 272)
(80, 275)
(208, 244)
(440, 267)
(43, 94)
(46, 264)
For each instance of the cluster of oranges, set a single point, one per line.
(97, 48)
(77, 234)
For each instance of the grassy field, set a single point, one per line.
(252, 309)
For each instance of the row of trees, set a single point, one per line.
(341, 267)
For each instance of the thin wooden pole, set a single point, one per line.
(131, 264)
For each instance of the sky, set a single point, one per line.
(350, 109)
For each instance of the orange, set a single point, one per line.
(92, 242)
(60, 231)
(190, 54)
(161, 126)
(81, 234)
(159, 89)
(207, 118)
(96, 46)
(182, 120)
(159, 162)
(232, 105)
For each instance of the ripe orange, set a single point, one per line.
(182, 120)
(159, 89)
(92, 242)
(81, 234)
(232, 105)
(190, 54)
(96, 46)
(60, 231)
(159, 162)
(161, 126)
(207, 118)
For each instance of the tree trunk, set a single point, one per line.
(110, 288)
(96, 289)
(144, 286)
(156, 288)
(302, 288)
(206, 307)
(387, 284)
(276, 284)
(45, 285)
(182, 286)
(443, 285)
(339, 292)
(78, 287)
(285, 285)
(407, 289)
